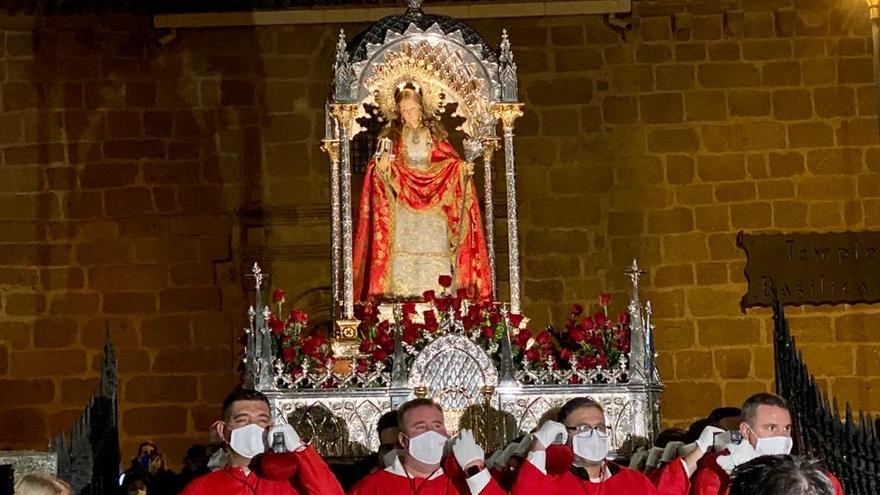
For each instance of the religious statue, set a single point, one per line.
(419, 215)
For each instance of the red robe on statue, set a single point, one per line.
(622, 481)
(443, 185)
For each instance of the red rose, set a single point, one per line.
(362, 366)
(577, 335)
(587, 362)
(565, 355)
(488, 333)
(409, 309)
(514, 319)
(429, 295)
(430, 321)
(276, 325)
(623, 318)
(296, 372)
(366, 345)
(445, 281)
(288, 354)
(588, 323)
(410, 334)
(577, 309)
(600, 319)
(278, 296)
(602, 360)
(319, 339)
(383, 327)
(522, 338)
(379, 355)
(596, 340)
(299, 317)
(543, 338)
(310, 348)
(533, 355)
(604, 299)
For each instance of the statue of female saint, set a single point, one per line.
(419, 215)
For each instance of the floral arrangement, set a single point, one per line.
(585, 344)
(298, 351)
(589, 348)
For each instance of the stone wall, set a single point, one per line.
(139, 181)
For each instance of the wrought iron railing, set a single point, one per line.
(849, 447)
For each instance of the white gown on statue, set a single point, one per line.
(420, 251)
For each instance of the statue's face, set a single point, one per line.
(411, 113)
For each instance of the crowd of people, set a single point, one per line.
(733, 451)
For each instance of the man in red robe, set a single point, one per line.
(418, 470)
(582, 421)
(766, 430)
(245, 420)
(410, 187)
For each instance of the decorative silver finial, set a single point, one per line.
(414, 5)
(507, 71)
(343, 73)
(257, 274)
(473, 149)
(635, 274)
(506, 56)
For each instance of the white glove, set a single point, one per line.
(637, 461)
(670, 452)
(549, 432)
(292, 442)
(499, 459)
(466, 450)
(707, 438)
(653, 457)
(522, 448)
(740, 453)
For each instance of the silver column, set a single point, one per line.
(508, 113)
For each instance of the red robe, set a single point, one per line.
(394, 481)
(313, 478)
(671, 479)
(623, 481)
(711, 479)
(441, 184)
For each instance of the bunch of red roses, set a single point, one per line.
(299, 350)
(585, 342)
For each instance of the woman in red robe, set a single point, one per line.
(419, 215)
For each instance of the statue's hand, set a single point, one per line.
(468, 169)
(384, 163)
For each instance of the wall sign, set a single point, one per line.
(811, 268)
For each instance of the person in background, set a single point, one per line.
(780, 475)
(150, 466)
(195, 464)
(41, 484)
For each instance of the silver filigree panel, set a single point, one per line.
(454, 371)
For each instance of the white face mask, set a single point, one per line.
(774, 446)
(427, 447)
(248, 441)
(389, 457)
(590, 448)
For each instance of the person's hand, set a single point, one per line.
(707, 438)
(549, 432)
(466, 451)
(157, 463)
(292, 442)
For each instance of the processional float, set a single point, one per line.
(476, 360)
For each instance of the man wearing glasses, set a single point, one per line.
(581, 425)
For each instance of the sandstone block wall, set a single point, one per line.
(138, 182)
